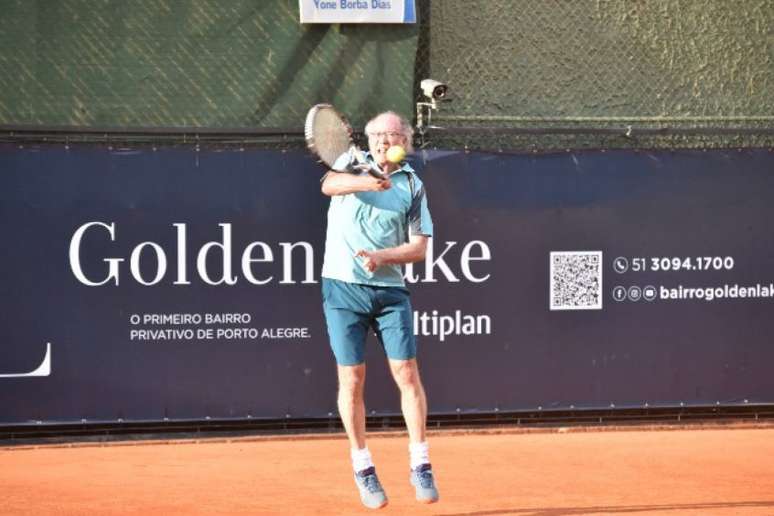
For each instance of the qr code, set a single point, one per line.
(576, 280)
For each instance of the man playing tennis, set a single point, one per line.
(374, 227)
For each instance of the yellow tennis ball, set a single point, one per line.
(396, 154)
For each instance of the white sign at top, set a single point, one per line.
(357, 11)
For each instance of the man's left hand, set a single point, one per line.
(371, 260)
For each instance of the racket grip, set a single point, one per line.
(375, 173)
(364, 167)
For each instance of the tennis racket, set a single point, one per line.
(328, 135)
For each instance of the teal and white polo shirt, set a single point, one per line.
(373, 221)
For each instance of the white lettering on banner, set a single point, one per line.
(228, 318)
(287, 249)
(229, 326)
(161, 263)
(44, 369)
(466, 258)
(715, 293)
(166, 319)
(248, 260)
(447, 265)
(182, 277)
(189, 334)
(225, 246)
(285, 333)
(435, 324)
(431, 262)
(75, 255)
(223, 249)
(163, 334)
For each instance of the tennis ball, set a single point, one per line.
(396, 154)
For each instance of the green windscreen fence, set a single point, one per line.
(523, 74)
(207, 64)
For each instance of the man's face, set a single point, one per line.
(385, 132)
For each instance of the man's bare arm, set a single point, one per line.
(412, 251)
(342, 183)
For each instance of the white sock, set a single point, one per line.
(361, 459)
(419, 453)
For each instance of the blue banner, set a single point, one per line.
(144, 284)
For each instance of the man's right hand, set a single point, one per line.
(372, 184)
(381, 184)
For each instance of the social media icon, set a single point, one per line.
(649, 293)
(635, 293)
(619, 293)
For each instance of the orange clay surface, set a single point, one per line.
(715, 471)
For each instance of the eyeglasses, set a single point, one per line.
(391, 135)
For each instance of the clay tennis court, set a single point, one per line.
(719, 470)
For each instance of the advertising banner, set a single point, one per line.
(357, 11)
(152, 284)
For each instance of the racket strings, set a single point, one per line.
(330, 135)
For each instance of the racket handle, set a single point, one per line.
(365, 167)
(376, 172)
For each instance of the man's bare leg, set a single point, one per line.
(351, 404)
(413, 402)
(352, 412)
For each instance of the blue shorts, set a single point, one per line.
(351, 309)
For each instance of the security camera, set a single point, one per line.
(433, 89)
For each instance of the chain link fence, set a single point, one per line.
(535, 75)
(556, 74)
